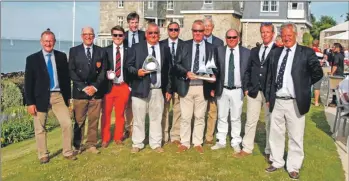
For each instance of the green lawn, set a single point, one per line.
(19, 161)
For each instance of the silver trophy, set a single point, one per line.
(111, 75)
(205, 71)
(150, 64)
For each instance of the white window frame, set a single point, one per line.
(208, 2)
(120, 21)
(151, 3)
(300, 6)
(269, 6)
(120, 4)
(168, 4)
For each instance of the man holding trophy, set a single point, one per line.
(195, 84)
(149, 64)
(117, 88)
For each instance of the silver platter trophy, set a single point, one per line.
(150, 64)
(205, 72)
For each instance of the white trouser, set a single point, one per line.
(230, 100)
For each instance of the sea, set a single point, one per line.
(13, 53)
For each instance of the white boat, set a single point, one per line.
(11, 42)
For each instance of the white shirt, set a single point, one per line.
(344, 88)
(91, 49)
(55, 75)
(261, 50)
(130, 36)
(237, 76)
(158, 58)
(287, 84)
(121, 78)
(170, 44)
(202, 52)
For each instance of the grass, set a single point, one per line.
(19, 161)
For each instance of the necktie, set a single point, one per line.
(196, 60)
(231, 69)
(89, 57)
(153, 74)
(280, 77)
(118, 62)
(263, 55)
(133, 38)
(50, 71)
(173, 52)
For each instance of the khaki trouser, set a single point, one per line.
(176, 109)
(211, 119)
(62, 114)
(91, 109)
(285, 115)
(193, 102)
(253, 111)
(154, 104)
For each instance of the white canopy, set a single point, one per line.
(339, 36)
(340, 27)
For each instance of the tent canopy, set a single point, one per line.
(339, 36)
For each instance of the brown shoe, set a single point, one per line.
(294, 175)
(199, 149)
(176, 142)
(182, 148)
(105, 145)
(44, 160)
(208, 142)
(241, 154)
(159, 150)
(70, 157)
(118, 142)
(93, 150)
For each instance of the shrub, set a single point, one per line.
(11, 95)
(307, 39)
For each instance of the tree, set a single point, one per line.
(323, 23)
(307, 39)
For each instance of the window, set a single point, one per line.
(161, 23)
(181, 22)
(295, 6)
(269, 6)
(207, 2)
(150, 4)
(121, 21)
(169, 5)
(120, 4)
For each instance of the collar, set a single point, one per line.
(293, 48)
(235, 48)
(135, 32)
(201, 43)
(170, 41)
(270, 45)
(91, 47)
(149, 45)
(45, 52)
(121, 46)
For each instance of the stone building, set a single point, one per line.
(335, 34)
(245, 16)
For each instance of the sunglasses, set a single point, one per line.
(153, 32)
(231, 37)
(118, 35)
(173, 29)
(196, 31)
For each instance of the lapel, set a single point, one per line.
(276, 61)
(208, 54)
(162, 54)
(222, 53)
(94, 51)
(296, 57)
(190, 53)
(110, 56)
(259, 60)
(42, 62)
(82, 53)
(241, 55)
(125, 54)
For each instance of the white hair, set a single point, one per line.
(289, 24)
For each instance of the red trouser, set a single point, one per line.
(117, 98)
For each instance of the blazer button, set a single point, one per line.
(261, 67)
(260, 75)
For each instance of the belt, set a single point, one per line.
(55, 91)
(284, 97)
(119, 83)
(195, 84)
(231, 88)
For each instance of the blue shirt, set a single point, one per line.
(130, 35)
(55, 75)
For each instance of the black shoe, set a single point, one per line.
(293, 175)
(271, 169)
(126, 135)
(44, 160)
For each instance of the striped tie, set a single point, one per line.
(118, 62)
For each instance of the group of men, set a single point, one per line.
(278, 79)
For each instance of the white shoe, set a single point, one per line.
(217, 146)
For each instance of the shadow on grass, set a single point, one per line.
(56, 153)
(319, 118)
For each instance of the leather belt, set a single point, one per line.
(231, 88)
(284, 97)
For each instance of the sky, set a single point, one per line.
(26, 20)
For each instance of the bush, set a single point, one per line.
(19, 125)
(307, 39)
(11, 95)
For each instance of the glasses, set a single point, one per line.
(153, 32)
(231, 37)
(173, 29)
(88, 34)
(118, 35)
(197, 31)
(48, 41)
